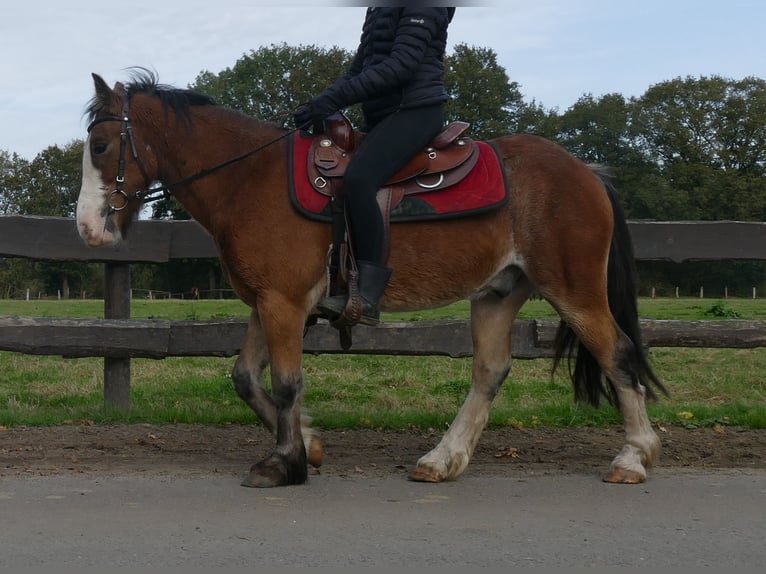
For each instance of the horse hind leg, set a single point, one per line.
(248, 379)
(642, 445)
(491, 326)
(610, 351)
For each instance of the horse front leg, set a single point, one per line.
(248, 379)
(491, 325)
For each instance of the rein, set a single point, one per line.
(151, 194)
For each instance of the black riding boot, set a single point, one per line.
(373, 279)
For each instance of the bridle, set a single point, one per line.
(126, 136)
(119, 198)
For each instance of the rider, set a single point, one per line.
(397, 75)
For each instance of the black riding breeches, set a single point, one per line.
(384, 151)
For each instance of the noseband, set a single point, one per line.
(154, 193)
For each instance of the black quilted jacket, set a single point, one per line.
(399, 63)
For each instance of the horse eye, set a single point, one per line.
(99, 148)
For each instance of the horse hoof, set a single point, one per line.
(624, 476)
(424, 474)
(315, 452)
(275, 471)
(257, 480)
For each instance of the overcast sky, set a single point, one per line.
(557, 50)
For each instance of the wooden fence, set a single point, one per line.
(118, 338)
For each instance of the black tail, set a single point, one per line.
(588, 380)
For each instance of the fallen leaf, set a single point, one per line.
(719, 429)
(511, 452)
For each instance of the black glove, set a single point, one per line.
(324, 105)
(314, 111)
(303, 116)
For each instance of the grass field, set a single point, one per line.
(708, 386)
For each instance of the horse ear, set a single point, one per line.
(104, 93)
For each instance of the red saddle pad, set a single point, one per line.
(483, 189)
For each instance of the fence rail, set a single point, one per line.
(158, 339)
(55, 238)
(118, 338)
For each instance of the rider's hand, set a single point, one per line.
(303, 116)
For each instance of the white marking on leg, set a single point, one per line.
(453, 453)
(630, 458)
(642, 448)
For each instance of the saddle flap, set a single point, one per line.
(434, 181)
(433, 160)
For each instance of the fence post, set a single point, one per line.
(117, 306)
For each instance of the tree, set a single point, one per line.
(535, 119)
(269, 83)
(481, 92)
(54, 180)
(597, 130)
(708, 138)
(13, 180)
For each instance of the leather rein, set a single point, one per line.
(119, 198)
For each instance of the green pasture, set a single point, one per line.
(708, 386)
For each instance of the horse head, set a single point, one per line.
(115, 175)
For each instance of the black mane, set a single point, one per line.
(146, 81)
(143, 81)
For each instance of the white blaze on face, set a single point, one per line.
(91, 205)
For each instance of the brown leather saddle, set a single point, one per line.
(443, 163)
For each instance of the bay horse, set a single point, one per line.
(561, 235)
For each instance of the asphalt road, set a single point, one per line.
(711, 519)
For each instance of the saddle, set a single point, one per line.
(444, 162)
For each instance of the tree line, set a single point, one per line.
(690, 148)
